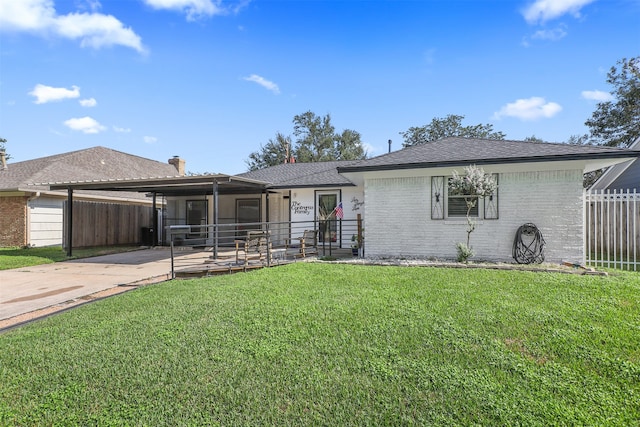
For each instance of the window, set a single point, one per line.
(197, 215)
(455, 206)
(248, 212)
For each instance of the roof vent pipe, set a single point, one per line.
(389, 146)
(3, 159)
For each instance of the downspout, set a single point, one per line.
(29, 200)
(266, 203)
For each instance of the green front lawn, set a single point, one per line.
(26, 257)
(319, 344)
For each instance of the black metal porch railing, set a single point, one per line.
(224, 246)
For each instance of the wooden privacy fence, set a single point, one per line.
(106, 224)
(612, 229)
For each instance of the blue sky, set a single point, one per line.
(211, 81)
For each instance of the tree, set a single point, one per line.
(2, 148)
(616, 123)
(316, 141)
(316, 137)
(474, 185)
(580, 140)
(590, 177)
(533, 138)
(348, 146)
(272, 153)
(445, 127)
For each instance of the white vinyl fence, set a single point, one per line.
(612, 229)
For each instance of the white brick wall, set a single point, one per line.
(305, 198)
(398, 220)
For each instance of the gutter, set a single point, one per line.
(449, 163)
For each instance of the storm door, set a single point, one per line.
(326, 203)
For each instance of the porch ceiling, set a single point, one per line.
(171, 186)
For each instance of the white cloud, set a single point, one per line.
(94, 30)
(84, 124)
(529, 109)
(97, 30)
(553, 35)
(26, 15)
(89, 102)
(264, 83)
(46, 94)
(92, 5)
(371, 149)
(121, 130)
(597, 95)
(193, 8)
(546, 10)
(150, 139)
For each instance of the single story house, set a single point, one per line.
(409, 208)
(621, 177)
(32, 215)
(409, 212)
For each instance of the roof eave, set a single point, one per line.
(286, 187)
(511, 160)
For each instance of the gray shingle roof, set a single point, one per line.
(89, 164)
(462, 151)
(298, 175)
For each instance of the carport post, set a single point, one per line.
(154, 239)
(215, 219)
(69, 221)
(267, 229)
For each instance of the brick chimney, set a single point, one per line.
(178, 163)
(3, 159)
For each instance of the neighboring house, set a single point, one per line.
(32, 215)
(410, 213)
(621, 177)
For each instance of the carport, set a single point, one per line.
(197, 185)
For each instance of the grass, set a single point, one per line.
(26, 257)
(322, 344)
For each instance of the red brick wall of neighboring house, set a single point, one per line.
(13, 221)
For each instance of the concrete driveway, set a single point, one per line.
(59, 285)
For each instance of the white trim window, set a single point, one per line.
(445, 205)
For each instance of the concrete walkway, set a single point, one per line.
(30, 289)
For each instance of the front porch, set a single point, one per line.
(200, 250)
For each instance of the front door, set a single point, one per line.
(326, 203)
